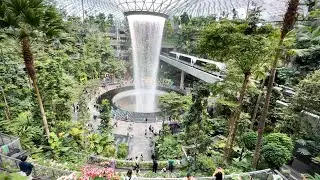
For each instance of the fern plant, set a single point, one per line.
(315, 177)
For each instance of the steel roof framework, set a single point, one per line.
(271, 9)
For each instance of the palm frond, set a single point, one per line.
(32, 17)
(303, 151)
(17, 6)
(316, 32)
(35, 3)
(301, 142)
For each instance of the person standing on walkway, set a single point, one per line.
(129, 175)
(153, 156)
(25, 167)
(171, 162)
(219, 174)
(154, 165)
(137, 164)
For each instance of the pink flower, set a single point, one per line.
(89, 172)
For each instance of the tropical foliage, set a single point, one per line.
(174, 104)
(68, 70)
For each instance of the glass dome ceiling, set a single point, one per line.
(271, 9)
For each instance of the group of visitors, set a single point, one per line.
(26, 168)
(151, 130)
(217, 175)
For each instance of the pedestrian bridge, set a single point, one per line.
(192, 68)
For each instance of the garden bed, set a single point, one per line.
(124, 164)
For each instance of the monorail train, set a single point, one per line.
(183, 57)
(197, 62)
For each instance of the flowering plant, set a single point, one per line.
(96, 173)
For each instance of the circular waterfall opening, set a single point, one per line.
(133, 100)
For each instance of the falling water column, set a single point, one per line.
(146, 36)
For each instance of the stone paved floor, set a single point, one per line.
(139, 144)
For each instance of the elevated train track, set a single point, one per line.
(195, 66)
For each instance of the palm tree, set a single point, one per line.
(217, 41)
(288, 23)
(25, 19)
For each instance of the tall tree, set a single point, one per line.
(249, 52)
(288, 23)
(110, 20)
(26, 19)
(184, 18)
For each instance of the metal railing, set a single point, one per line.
(7, 139)
(261, 174)
(41, 172)
(10, 145)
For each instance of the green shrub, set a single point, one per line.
(249, 140)
(168, 148)
(206, 164)
(109, 151)
(275, 155)
(279, 139)
(12, 176)
(122, 150)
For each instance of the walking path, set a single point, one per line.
(139, 143)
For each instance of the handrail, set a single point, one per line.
(37, 168)
(226, 176)
(9, 136)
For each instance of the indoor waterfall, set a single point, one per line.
(146, 36)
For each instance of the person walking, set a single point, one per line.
(137, 164)
(219, 174)
(154, 165)
(129, 175)
(153, 156)
(24, 166)
(171, 162)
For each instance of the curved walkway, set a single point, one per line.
(139, 142)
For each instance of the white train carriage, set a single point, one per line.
(197, 62)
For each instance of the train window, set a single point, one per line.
(185, 59)
(172, 54)
(200, 63)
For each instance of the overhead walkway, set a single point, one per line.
(196, 71)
